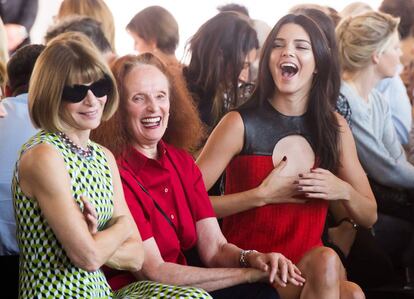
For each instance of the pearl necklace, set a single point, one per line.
(84, 153)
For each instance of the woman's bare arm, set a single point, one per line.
(224, 143)
(43, 176)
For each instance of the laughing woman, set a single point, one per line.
(166, 195)
(287, 155)
(70, 209)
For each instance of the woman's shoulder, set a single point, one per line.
(42, 143)
(377, 98)
(40, 158)
(102, 150)
(177, 152)
(344, 128)
(181, 158)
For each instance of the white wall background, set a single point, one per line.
(190, 14)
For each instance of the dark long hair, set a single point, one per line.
(326, 24)
(323, 93)
(218, 51)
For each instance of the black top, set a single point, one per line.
(22, 12)
(203, 100)
(264, 126)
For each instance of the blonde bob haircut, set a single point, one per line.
(68, 59)
(361, 36)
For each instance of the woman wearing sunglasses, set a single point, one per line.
(70, 209)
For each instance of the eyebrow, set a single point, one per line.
(143, 93)
(296, 40)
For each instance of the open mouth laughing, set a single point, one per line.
(289, 69)
(151, 122)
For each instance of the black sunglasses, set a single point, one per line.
(77, 92)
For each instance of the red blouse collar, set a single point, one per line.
(135, 160)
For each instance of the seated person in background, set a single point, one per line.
(287, 155)
(218, 73)
(354, 9)
(262, 30)
(15, 130)
(95, 9)
(393, 89)
(18, 17)
(166, 195)
(86, 25)
(369, 51)
(70, 210)
(404, 9)
(155, 30)
(219, 61)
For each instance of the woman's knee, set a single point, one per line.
(350, 290)
(322, 265)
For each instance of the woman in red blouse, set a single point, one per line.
(166, 194)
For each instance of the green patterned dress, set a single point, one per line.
(45, 269)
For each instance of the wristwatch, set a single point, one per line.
(243, 255)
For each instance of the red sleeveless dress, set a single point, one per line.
(291, 229)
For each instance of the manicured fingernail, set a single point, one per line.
(284, 158)
(300, 175)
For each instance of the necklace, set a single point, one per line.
(84, 153)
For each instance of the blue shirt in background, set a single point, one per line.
(395, 93)
(15, 129)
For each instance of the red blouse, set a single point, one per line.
(176, 184)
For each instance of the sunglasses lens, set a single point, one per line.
(74, 94)
(77, 93)
(102, 87)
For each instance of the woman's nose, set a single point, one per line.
(288, 53)
(90, 97)
(151, 104)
